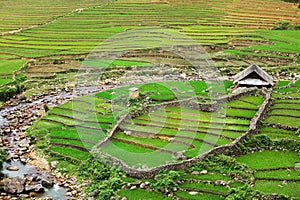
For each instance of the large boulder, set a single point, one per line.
(33, 187)
(14, 185)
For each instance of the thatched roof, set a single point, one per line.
(242, 78)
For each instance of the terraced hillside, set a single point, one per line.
(283, 119)
(166, 134)
(276, 172)
(228, 31)
(173, 133)
(155, 117)
(72, 131)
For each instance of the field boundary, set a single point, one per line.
(149, 173)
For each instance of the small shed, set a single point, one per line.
(134, 93)
(253, 76)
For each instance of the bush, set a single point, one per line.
(283, 25)
(13, 88)
(166, 180)
(3, 157)
(245, 193)
(224, 164)
(106, 179)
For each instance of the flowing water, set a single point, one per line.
(56, 192)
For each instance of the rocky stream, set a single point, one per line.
(25, 173)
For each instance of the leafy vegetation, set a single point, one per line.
(44, 49)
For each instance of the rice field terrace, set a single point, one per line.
(234, 36)
(145, 99)
(275, 171)
(285, 109)
(168, 134)
(74, 137)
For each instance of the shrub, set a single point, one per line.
(106, 179)
(224, 164)
(245, 193)
(283, 25)
(3, 157)
(167, 180)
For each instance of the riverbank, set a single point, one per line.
(27, 173)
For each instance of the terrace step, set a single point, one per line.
(185, 129)
(144, 145)
(70, 146)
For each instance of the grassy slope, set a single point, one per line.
(83, 30)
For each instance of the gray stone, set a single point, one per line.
(297, 167)
(95, 192)
(14, 185)
(143, 185)
(33, 187)
(220, 182)
(193, 193)
(12, 168)
(68, 194)
(53, 164)
(133, 187)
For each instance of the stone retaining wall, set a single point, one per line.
(149, 173)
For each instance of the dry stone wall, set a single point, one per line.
(149, 173)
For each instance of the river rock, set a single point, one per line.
(14, 185)
(33, 187)
(220, 182)
(53, 164)
(133, 187)
(95, 193)
(24, 196)
(143, 185)
(47, 183)
(24, 143)
(297, 167)
(193, 193)
(12, 168)
(203, 172)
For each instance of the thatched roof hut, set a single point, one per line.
(253, 76)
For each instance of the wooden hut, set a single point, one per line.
(134, 93)
(253, 76)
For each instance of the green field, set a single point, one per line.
(274, 165)
(66, 31)
(181, 56)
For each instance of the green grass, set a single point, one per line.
(277, 134)
(286, 112)
(210, 176)
(80, 155)
(199, 196)
(204, 186)
(139, 194)
(270, 159)
(73, 131)
(136, 156)
(290, 189)
(254, 99)
(285, 90)
(114, 63)
(289, 121)
(188, 127)
(286, 41)
(282, 83)
(281, 174)
(240, 113)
